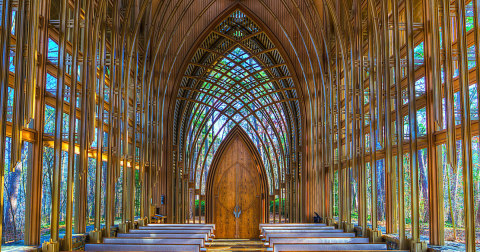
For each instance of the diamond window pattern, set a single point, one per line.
(236, 77)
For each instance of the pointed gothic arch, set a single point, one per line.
(237, 131)
(262, 96)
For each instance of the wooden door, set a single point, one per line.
(237, 189)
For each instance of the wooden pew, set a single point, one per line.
(173, 228)
(165, 236)
(168, 231)
(296, 228)
(301, 240)
(150, 240)
(155, 219)
(307, 235)
(141, 247)
(302, 231)
(158, 218)
(291, 225)
(280, 247)
(182, 225)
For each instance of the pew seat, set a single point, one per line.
(260, 226)
(165, 236)
(301, 231)
(307, 235)
(264, 229)
(168, 231)
(150, 240)
(174, 228)
(301, 240)
(182, 225)
(279, 247)
(142, 247)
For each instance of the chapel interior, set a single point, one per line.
(239, 125)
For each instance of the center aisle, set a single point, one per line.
(236, 245)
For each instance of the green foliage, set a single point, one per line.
(138, 192)
(277, 202)
(418, 52)
(202, 208)
(335, 191)
(354, 215)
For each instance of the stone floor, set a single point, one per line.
(236, 245)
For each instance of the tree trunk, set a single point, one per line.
(477, 218)
(12, 186)
(423, 182)
(451, 207)
(381, 190)
(351, 188)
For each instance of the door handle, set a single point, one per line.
(237, 211)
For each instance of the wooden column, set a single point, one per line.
(362, 177)
(81, 178)
(433, 83)
(399, 123)
(5, 44)
(71, 133)
(390, 171)
(466, 131)
(57, 167)
(111, 154)
(34, 177)
(373, 135)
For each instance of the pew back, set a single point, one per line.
(300, 240)
(296, 228)
(307, 235)
(141, 247)
(173, 228)
(303, 231)
(291, 225)
(165, 236)
(280, 247)
(150, 240)
(182, 225)
(168, 231)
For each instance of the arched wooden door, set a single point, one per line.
(236, 192)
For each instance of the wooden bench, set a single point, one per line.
(302, 231)
(308, 235)
(165, 236)
(296, 228)
(150, 240)
(168, 231)
(301, 240)
(173, 228)
(141, 247)
(182, 225)
(290, 225)
(278, 247)
(158, 218)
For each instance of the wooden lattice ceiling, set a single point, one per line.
(238, 74)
